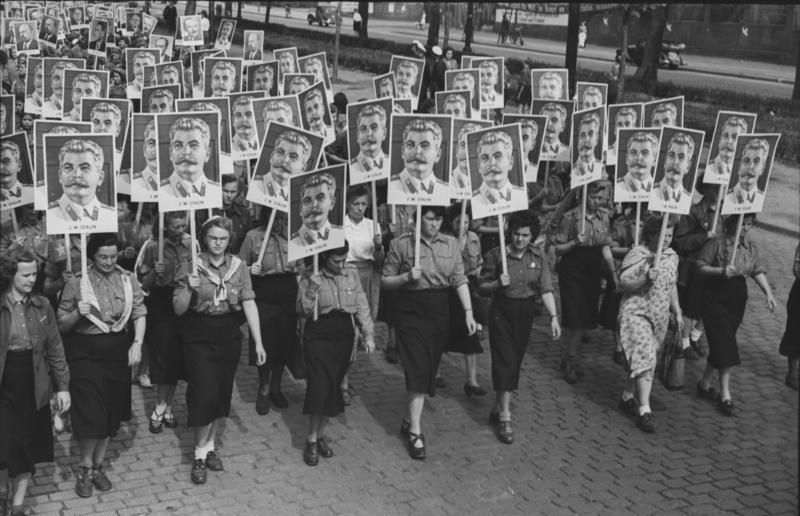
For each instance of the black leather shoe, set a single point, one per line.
(278, 399)
(311, 454)
(170, 421)
(156, 423)
(571, 374)
(474, 391)
(725, 406)
(708, 394)
(100, 480)
(213, 462)
(494, 418)
(199, 473)
(405, 428)
(416, 453)
(83, 482)
(324, 450)
(646, 423)
(262, 404)
(630, 407)
(505, 434)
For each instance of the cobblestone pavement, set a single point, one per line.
(575, 452)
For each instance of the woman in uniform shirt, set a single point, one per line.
(580, 271)
(328, 341)
(275, 286)
(93, 314)
(724, 303)
(422, 311)
(163, 337)
(31, 360)
(512, 311)
(213, 299)
(460, 341)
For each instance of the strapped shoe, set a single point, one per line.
(505, 434)
(416, 453)
(324, 450)
(83, 482)
(262, 404)
(725, 406)
(170, 421)
(156, 422)
(213, 462)
(646, 423)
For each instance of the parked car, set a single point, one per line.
(324, 15)
(669, 56)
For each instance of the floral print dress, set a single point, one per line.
(644, 314)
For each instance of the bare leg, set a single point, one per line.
(505, 405)
(725, 383)
(416, 402)
(471, 365)
(87, 447)
(202, 435)
(99, 454)
(644, 384)
(20, 485)
(314, 424)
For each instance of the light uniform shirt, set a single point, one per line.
(201, 187)
(18, 337)
(360, 237)
(110, 293)
(529, 272)
(555, 152)
(403, 187)
(598, 227)
(741, 196)
(177, 257)
(238, 288)
(717, 171)
(146, 180)
(52, 108)
(276, 255)
(306, 236)
(33, 103)
(336, 293)
(439, 260)
(65, 213)
(581, 168)
(268, 191)
(370, 167)
(459, 182)
(17, 195)
(631, 185)
(509, 195)
(717, 251)
(242, 146)
(134, 90)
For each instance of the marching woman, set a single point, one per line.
(328, 341)
(213, 300)
(275, 286)
(512, 311)
(460, 340)
(724, 303)
(422, 311)
(580, 271)
(94, 315)
(31, 360)
(648, 294)
(365, 254)
(163, 337)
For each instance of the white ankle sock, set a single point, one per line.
(644, 409)
(685, 343)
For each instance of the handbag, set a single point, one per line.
(671, 366)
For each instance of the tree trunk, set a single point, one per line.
(336, 41)
(796, 90)
(571, 60)
(446, 23)
(647, 73)
(239, 10)
(469, 28)
(626, 17)
(433, 29)
(363, 10)
(266, 16)
(191, 7)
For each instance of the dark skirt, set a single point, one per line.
(460, 340)
(690, 294)
(790, 343)
(579, 274)
(100, 383)
(422, 324)
(26, 434)
(163, 338)
(211, 349)
(725, 302)
(609, 307)
(327, 346)
(510, 322)
(276, 295)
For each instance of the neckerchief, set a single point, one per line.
(88, 295)
(220, 291)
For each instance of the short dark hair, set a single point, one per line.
(652, 227)
(523, 219)
(732, 220)
(324, 255)
(9, 264)
(357, 191)
(438, 211)
(98, 240)
(229, 178)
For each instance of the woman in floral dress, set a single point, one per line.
(649, 292)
